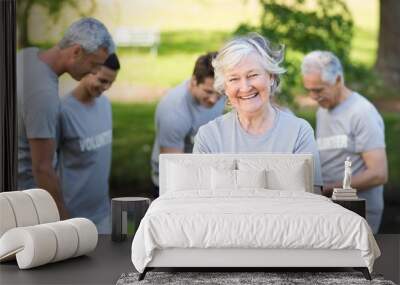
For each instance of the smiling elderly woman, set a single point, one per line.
(247, 71)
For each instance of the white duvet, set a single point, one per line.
(250, 218)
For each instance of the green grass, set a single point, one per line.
(133, 132)
(392, 133)
(146, 70)
(177, 53)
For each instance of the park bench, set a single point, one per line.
(135, 37)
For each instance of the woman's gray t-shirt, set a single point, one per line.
(289, 134)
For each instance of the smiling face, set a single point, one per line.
(83, 63)
(204, 92)
(327, 95)
(248, 85)
(96, 84)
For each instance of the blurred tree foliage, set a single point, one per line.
(303, 26)
(388, 59)
(53, 8)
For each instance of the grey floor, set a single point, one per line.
(102, 266)
(110, 260)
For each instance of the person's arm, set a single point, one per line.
(170, 150)
(42, 152)
(172, 128)
(374, 174)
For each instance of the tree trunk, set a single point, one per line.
(388, 60)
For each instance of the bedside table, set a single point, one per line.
(126, 213)
(357, 206)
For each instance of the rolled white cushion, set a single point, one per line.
(45, 205)
(40, 244)
(7, 218)
(26, 208)
(87, 235)
(23, 208)
(33, 246)
(67, 240)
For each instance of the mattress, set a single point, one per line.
(251, 219)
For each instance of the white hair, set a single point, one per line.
(238, 48)
(325, 63)
(90, 34)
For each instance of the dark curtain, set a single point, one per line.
(8, 100)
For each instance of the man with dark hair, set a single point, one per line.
(85, 146)
(83, 49)
(183, 110)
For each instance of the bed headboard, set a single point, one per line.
(285, 165)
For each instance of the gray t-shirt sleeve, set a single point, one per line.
(41, 114)
(306, 144)
(369, 132)
(200, 141)
(172, 130)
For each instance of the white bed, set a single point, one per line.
(247, 210)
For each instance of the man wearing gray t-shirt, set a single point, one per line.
(183, 110)
(348, 125)
(83, 49)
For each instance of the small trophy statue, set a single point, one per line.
(345, 193)
(347, 174)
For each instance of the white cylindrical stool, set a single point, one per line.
(127, 212)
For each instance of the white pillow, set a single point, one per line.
(251, 178)
(293, 181)
(223, 179)
(183, 177)
(227, 179)
(286, 174)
